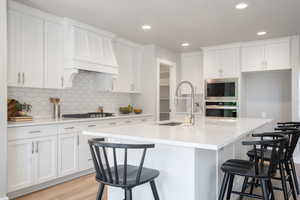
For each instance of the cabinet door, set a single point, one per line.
(192, 71)
(14, 49)
(229, 61)
(212, 68)
(278, 55)
(54, 54)
(125, 57)
(46, 159)
(20, 164)
(68, 153)
(32, 51)
(85, 158)
(253, 58)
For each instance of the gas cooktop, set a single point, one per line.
(89, 115)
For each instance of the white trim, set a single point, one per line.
(195, 53)
(128, 43)
(90, 28)
(23, 9)
(4, 198)
(172, 84)
(3, 98)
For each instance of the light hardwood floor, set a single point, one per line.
(85, 188)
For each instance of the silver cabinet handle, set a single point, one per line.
(113, 123)
(37, 147)
(90, 159)
(19, 78)
(69, 128)
(23, 78)
(77, 140)
(92, 125)
(32, 132)
(127, 122)
(32, 147)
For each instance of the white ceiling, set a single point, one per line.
(199, 22)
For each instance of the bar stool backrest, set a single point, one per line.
(293, 134)
(108, 172)
(276, 142)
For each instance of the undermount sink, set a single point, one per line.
(171, 124)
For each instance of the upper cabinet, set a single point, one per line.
(25, 39)
(129, 57)
(192, 70)
(88, 48)
(221, 62)
(266, 55)
(35, 48)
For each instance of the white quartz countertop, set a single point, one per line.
(49, 121)
(208, 133)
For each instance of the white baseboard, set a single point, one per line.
(4, 198)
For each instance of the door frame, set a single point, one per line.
(173, 82)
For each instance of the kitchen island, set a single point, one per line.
(189, 157)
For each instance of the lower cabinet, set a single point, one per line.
(68, 153)
(31, 161)
(37, 154)
(46, 159)
(20, 164)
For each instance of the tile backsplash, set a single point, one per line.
(82, 97)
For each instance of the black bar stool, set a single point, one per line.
(283, 163)
(256, 169)
(123, 176)
(286, 126)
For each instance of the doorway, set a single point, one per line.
(166, 87)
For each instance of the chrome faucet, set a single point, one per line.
(192, 116)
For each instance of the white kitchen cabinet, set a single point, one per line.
(221, 63)
(46, 158)
(192, 70)
(129, 59)
(266, 55)
(85, 160)
(54, 55)
(26, 54)
(20, 164)
(68, 157)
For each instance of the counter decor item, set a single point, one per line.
(56, 107)
(126, 110)
(18, 112)
(137, 111)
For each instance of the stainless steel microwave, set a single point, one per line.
(221, 89)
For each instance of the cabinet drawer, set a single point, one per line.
(31, 132)
(68, 128)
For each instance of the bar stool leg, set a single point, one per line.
(154, 190)
(283, 181)
(231, 178)
(271, 190)
(295, 176)
(244, 187)
(223, 186)
(292, 186)
(128, 194)
(100, 191)
(264, 188)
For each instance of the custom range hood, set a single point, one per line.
(88, 48)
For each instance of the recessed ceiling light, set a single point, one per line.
(241, 6)
(146, 27)
(260, 33)
(185, 44)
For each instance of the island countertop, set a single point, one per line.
(207, 133)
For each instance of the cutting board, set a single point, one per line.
(20, 119)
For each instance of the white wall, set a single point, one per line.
(268, 92)
(3, 99)
(147, 100)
